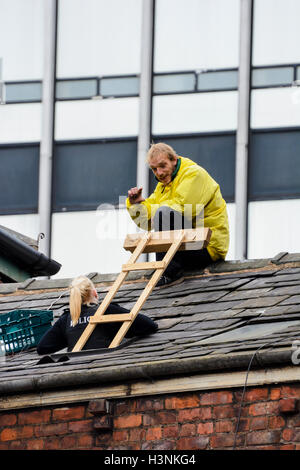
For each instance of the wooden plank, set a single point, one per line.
(147, 265)
(111, 318)
(110, 294)
(194, 239)
(160, 386)
(147, 290)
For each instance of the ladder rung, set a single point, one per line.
(111, 318)
(147, 265)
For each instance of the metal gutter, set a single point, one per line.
(148, 370)
(26, 257)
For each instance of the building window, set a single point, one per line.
(90, 173)
(19, 176)
(274, 164)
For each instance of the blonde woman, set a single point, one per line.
(83, 304)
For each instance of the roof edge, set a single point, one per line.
(281, 261)
(149, 370)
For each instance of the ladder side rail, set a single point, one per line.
(147, 291)
(110, 295)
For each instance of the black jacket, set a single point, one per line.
(63, 335)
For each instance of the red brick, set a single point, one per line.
(158, 445)
(192, 414)
(7, 420)
(224, 426)
(264, 408)
(137, 434)
(17, 445)
(34, 417)
(216, 398)
(224, 411)
(275, 394)
(205, 428)
(81, 426)
(65, 414)
(244, 424)
(153, 434)
(260, 422)
(192, 443)
(288, 434)
(8, 434)
(85, 442)
(170, 431)
(52, 443)
(263, 437)
(219, 441)
(68, 442)
(294, 420)
(45, 430)
(290, 391)
(189, 414)
(288, 447)
(161, 417)
(124, 407)
(266, 447)
(190, 401)
(276, 422)
(288, 405)
(130, 421)
(24, 432)
(120, 436)
(104, 438)
(256, 394)
(188, 430)
(35, 444)
(146, 404)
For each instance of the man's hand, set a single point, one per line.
(135, 195)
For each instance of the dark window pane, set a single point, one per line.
(173, 83)
(19, 173)
(18, 92)
(272, 76)
(122, 86)
(274, 165)
(298, 73)
(89, 174)
(72, 89)
(222, 80)
(215, 153)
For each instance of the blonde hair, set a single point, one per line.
(80, 293)
(157, 149)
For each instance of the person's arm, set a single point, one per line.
(143, 210)
(141, 326)
(54, 339)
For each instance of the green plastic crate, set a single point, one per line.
(22, 329)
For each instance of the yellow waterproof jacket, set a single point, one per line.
(195, 193)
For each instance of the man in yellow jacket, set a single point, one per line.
(186, 196)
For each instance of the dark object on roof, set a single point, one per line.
(25, 257)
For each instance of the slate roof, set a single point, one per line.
(215, 320)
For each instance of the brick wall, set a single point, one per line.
(269, 419)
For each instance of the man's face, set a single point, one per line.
(163, 167)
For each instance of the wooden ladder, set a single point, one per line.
(169, 242)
